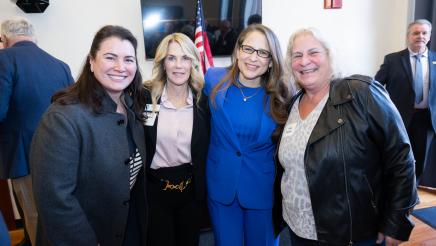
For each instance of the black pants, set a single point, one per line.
(417, 131)
(174, 213)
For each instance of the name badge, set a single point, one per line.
(150, 118)
(149, 108)
(149, 115)
(290, 129)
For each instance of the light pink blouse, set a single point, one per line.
(174, 131)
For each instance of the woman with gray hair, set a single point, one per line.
(345, 166)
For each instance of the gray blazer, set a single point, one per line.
(80, 177)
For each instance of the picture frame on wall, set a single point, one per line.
(332, 4)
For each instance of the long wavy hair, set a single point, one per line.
(159, 76)
(88, 90)
(273, 80)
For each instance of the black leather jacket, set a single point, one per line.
(359, 166)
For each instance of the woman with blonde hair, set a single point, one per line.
(177, 137)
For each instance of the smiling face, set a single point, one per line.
(418, 37)
(310, 63)
(114, 65)
(177, 65)
(251, 66)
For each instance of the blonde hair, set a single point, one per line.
(336, 73)
(159, 76)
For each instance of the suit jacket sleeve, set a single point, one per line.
(54, 161)
(6, 85)
(398, 169)
(382, 74)
(70, 79)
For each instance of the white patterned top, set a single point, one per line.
(297, 206)
(135, 164)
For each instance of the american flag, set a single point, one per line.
(201, 40)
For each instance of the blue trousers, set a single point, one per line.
(234, 225)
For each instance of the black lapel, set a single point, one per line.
(331, 111)
(405, 61)
(135, 125)
(431, 75)
(151, 133)
(196, 131)
(331, 122)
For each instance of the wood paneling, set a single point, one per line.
(423, 234)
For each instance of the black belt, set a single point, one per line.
(172, 178)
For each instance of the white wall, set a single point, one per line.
(362, 31)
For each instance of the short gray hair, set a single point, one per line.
(17, 27)
(419, 22)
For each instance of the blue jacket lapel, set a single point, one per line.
(223, 121)
(432, 85)
(267, 124)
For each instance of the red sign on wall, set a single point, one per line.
(332, 4)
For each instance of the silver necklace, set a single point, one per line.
(244, 97)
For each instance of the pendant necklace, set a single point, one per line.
(244, 97)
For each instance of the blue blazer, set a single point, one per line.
(245, 172)
(396, 74)
(29, 77)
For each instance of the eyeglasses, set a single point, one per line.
(250, 50)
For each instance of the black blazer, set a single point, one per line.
(396, 74)
(199, 142)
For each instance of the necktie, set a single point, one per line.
(418, 79)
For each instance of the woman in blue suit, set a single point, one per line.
(246, 101)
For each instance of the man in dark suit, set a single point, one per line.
(410, 79)
(29, 77)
